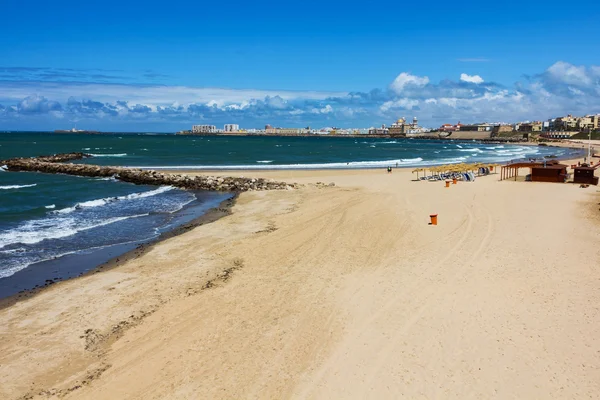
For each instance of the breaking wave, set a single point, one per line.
(107, 200)
(109, 155)
(52, 228)
(8, 187)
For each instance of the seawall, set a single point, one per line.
(56, 164)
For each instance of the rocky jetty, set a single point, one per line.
(56, 165)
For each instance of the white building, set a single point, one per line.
(231, 128)
(204, 129)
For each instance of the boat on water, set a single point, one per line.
(74, 130)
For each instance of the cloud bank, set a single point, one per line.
(562, 88)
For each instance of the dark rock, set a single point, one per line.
(56, 164)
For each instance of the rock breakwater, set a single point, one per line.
(56, 164)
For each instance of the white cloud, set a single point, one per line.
(144, 94)
(568, 73)
(471, 78)
(405, 79)
(561, 89)
(325, 110)
(406, 104)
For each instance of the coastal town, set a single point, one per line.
(564, 127)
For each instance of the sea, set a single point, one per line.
(54, 227)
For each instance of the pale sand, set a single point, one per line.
(341, 292)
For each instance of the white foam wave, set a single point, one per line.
(352, 164)
(51, 206)
(86, 148)
(265, 161)
(7, 187)
(108, 155)
(35, 231)
(475, 150)
(107, 200)
(459, 146)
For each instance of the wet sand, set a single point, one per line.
(338, 291)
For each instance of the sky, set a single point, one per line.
(164, 66)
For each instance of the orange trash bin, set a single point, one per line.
(454, 181)
(433, 219)
(447, 183)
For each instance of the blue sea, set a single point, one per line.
(48, 218)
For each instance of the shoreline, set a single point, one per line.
(124, 252)
(102, 258)
(183, 169)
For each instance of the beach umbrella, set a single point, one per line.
(417, 170)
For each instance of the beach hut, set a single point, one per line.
(549, 171)
(585, 175)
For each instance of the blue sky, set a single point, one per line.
(164, 66)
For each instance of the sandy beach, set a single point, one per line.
(338, 291)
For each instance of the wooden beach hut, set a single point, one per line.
(549, 171)
(585, 175)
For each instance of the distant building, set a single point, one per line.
(401, 127)
(378, 131)
(269, 130)
(571, 123)
(558, 134)
(476, 128)
(204, 129)
(450, 127)
(535, 126)
(568, 123)
(587, 123)
(502, 128)
(231, 128)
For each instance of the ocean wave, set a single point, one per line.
(459, 146)
(36, 231)
(107, 200)
(476, 150)
(51, 206)
(338, 165)
(109, 155)
(265, 161)
(7, 187)
(86, 148)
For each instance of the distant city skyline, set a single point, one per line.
(126, 67)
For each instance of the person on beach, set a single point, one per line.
(389, 170)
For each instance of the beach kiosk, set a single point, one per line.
(548, 171)
(585, 175)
